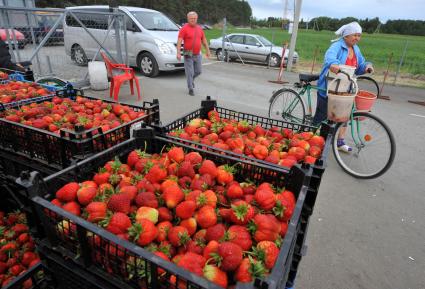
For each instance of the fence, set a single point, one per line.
(37, 35)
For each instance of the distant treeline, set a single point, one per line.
(369, 25)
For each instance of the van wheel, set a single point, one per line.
(78, 55)
(148, 65)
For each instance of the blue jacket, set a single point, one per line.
(337, 53)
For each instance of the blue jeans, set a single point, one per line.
(321, 110)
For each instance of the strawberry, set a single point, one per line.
(260, 152)
(215, 232)
(163, 228)
(86, 194)
(225, 174)
(20, 228)
(229, 256)
(213, 116)
(240, 236)
(73, 208)
(173, 196)
(119, 203)
(206, 217)
(234, 191)
(192, 262)
(283, 228)
(156, 174)
(96, 211)
(147, 199)
(211, 249)
(185, 169)
(265, 198)
(267, 252)
(185, 209)
(164, 214)
(207, 198)
(249, 269)
(23, 238)
(214, 274)
(194, 158)
(195, 247)
(27, 258)
(16, 270)
(147, 213)
(119, 223)
(143, 232)
(208, 167)
(131, 191)
(176, 154)
(68, 192)
(134, 156)
(178, 236)
(190, 224)
(284, 207)
(241, 213)
(265, 228)
(3, 268)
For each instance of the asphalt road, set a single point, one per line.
(363, 233)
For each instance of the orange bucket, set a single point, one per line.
(365, 100)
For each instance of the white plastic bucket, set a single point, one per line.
(343, 82)
(340, 105)
(98, 75)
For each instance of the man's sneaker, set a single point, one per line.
(191, 92)
(342, 146)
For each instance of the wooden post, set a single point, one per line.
(390, 60)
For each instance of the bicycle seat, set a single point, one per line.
(308, 77)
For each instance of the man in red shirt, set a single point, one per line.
(192, 36)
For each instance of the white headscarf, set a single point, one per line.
(348, 29)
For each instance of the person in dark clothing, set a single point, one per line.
(6, 63)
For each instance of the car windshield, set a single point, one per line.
(152, 20)
(265, 41)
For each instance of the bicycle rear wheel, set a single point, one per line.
(369, 84)
(286, 104)
(373, 146)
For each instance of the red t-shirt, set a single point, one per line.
(187, 33)
(352, 61)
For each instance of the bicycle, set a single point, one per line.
(371, 139)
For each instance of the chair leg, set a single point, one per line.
(137, 87)
(111, 89)
(117, 90)
(131, 87)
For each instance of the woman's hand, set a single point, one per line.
(369, 69)
(334, 68)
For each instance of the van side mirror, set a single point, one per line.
(133, 28)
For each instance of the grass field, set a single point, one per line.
(375, 47)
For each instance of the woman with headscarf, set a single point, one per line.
(343, 51)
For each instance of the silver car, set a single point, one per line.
(249, 47)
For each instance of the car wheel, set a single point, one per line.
(219, 54)
(274, 60)
(78, 55)
(148, 65)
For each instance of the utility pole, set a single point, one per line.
(294, 34)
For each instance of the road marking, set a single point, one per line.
(418, 115)
(209, 63)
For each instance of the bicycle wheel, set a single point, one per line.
(286, 104)
(369, 84)
(373, 146)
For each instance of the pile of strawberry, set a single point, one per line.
(276, 145)
(66, 113)
(3, 75)
(185, 209)
(19, 90)
(16, 248)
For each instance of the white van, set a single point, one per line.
(151, 37)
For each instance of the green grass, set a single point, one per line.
(375, 47)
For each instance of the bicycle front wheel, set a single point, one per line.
(373, 146)
(286, 104)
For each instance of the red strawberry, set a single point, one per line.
(241, 213)
(178, 236)
(164, 214)
(225, 174)
(96, 211)
(234, 191)
(210, 249)
(185, 209)
(163, 228)
(192, 262)
(73, 208)
(230, 256)
(16, 270)
(215, 232)
(240, 236)
(68, 192)
(147, 199)
(195, 247)
(147, 213)
(283, 228)
(119, 223)
(190, 224)
(265, 228)
(249, 269)
(134, 157)
(131, 191)
(20, 228)
(208, 167)
(186, 169)
(23, 238)
(194, 158)
(27, 258)
(156, 174)
(86, 194)
(284, 208)
(173, 196)
(260, 152)
(206, 217)
(176, 154)
(213, 116)
(143, 232)
(3, 268)
(267, 252)
(265, 198)
(119, 203)
(214, 274)
(56, 202)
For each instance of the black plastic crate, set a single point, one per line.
(88, 244)
(57, 151)
(37, 275)
(326, 131)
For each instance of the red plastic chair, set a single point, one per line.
(117, 79)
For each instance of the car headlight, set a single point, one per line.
(164, 47)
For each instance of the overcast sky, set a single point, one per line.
(384, 9)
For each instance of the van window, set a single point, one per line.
(94, 21)
(130, 25)
(152, 20)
